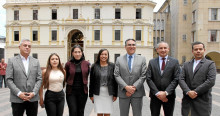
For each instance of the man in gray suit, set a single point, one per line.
(23, 76)
(129, 73)
(196, 80)
(162, 79)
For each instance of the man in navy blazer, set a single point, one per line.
(196, 80)
(162, 79)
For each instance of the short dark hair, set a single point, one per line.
(99, 54)
(196, 43)
(129, 40)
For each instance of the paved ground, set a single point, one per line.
(5, 106)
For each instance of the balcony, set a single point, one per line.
(38, 1)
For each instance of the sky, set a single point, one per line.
(3, 15)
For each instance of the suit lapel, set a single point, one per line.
(126, 62)
(191, 69)
(167, 63)
(20, 63)
(134, 62)
(29, 66)
(198, 66)
(158, 65)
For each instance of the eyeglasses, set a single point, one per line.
(131, 45)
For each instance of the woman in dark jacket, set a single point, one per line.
(77, 71)
(103, 87)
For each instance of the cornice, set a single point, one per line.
(100, 2)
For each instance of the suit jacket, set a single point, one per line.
(95, 75)
(201, 81)
(17, 79)
(167, 81)
(134, 78)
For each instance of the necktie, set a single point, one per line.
(129, 63)
(163, 64)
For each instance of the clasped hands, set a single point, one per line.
(162, 96)
(192, 94)
(130, 90)
(26, 96)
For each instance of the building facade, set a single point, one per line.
(188, 21)
(54, 26)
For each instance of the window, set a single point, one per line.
(15, 54)
(138, 35)
(97, 13)
(54, 35)
(193, 36)
(117, 34)
(162, 25)
(193, 16)
(117, 13)
(214, 12)
(162, 39)
(154, 40)
(16, 14)
(35, 14)
(95, 57)
(213, 36)
(158, 40)
(185, 2)
(184, 17)
(116, 56)
(97, 34)
(154, 24)
(138, 13)
(16, 35)
(158, 25)
(75, 13)
(35, 35)
(35, 55)
(54, 14)
(184, 37)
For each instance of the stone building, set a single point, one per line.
(54, 26)
(188, 21)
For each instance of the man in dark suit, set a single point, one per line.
(129, 73)
(196, 80)
(162, 79)
(23, 75)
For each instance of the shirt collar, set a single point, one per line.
(197, 61)
(130, 55)
(160, 58)
(23, 58)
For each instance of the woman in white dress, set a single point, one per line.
(103, 87)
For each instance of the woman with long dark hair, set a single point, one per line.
(103, 87)
(54, 81)
(77, 72)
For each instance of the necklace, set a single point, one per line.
(77, 63)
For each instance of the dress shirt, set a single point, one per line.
(26, 65)
(161, 61)
(195, 63)
(132, 59)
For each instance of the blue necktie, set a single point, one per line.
(129, 63)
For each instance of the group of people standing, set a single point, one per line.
(124, 79)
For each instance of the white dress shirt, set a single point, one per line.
(161, 61)
(195, 63)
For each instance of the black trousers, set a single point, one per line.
(30, 107)
(76, 102)
(3, 78)
(168, 107)
(54, 103)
